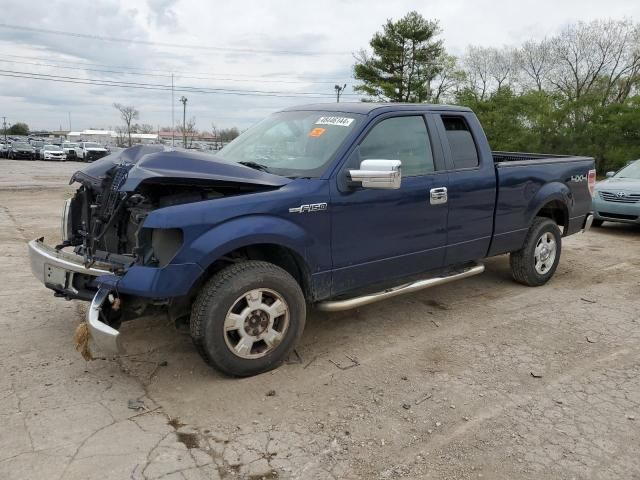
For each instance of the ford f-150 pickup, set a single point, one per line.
(330, 206)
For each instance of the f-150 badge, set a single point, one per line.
(308, 208)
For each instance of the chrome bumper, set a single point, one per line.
(47, 262)
(104, 338)
(55, 269)
(587, 223)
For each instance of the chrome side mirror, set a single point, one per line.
(610, 174)
(381, 174)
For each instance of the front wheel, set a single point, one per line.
(247, 318)
(536, 262)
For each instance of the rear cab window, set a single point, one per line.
(464, 152)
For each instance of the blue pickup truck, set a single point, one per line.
(331, 206)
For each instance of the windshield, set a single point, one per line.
(21, 145)
(292, 144)
(630, 171)
(92, 145)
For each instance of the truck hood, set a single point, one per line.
(620, 184)
(156, 163)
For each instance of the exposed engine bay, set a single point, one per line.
(105, 224)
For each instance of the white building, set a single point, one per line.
(110, 137)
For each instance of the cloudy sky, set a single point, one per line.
(235, 61)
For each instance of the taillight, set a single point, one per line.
(592, 181)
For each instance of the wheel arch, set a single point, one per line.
(552, 201)
(280, 255)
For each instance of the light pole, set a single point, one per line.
(339, 91)
(183, 99)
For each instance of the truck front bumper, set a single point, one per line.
(105, 339)
(56, 270)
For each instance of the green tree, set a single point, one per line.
(406, 58)
(18, 128)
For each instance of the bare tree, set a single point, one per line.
(476, 62)
(535, 60)
(448, 79)
(214, 132)
(143, 128)
(121, 135)
(128, 115)
(188, 131)
(502, 66)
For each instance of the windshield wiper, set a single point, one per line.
(255, 165)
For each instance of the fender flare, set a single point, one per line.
(250, 230)
(554, 191)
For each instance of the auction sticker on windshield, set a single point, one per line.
(339, 121)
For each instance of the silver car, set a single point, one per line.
(617, 199)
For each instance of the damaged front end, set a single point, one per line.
(108, 256)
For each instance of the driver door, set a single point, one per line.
(382, 235)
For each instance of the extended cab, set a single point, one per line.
(331, 206)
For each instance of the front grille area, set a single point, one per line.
(112, 194)
(96, 155)
(618, 215)
(620, 197)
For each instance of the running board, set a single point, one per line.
(340, 305)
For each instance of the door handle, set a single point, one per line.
(439, 195)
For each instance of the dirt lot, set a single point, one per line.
(482, 378)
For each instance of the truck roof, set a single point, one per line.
(367, 107)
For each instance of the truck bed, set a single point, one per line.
(528, 179)
(521, 158)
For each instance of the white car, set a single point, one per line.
(53, 152)
(69, 149)
(90, 151)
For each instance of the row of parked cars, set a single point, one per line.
(35, 149)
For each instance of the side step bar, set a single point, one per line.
(340, 305)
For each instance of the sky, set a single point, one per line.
(272, 54)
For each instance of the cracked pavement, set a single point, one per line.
(481, 378)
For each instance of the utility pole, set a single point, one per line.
(339, 91)
(183, 99)
(4, 128)
(173, 121)
(69, 113)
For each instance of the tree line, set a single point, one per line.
(576, 92)
(188, 131)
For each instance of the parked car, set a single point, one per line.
(335, 206)
(53, 152)
(37, 146)
(69, 149)
(617, 199)
(90, 151)
(21, 150)
(4, 148)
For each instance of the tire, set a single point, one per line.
(223, 304)
(530, 267)
(597, 223)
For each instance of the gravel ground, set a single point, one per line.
(482, 378)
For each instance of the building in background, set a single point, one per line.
(110, 137)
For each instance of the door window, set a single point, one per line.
(400, 138)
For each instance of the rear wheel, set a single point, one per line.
(536, 262)
(247, 318)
